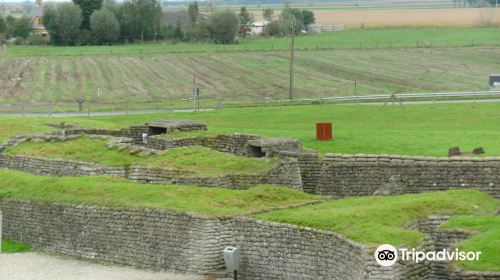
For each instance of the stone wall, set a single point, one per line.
(363, 175)
(235, 143)
(309, 164)
(285, 173)
(281, 251)
(134, 132)
(167, 240)
(141, 237)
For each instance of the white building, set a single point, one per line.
(257, 27)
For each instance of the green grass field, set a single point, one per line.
(379, 220)
(427, 130)
(10, 246)
(486, 240)
(116, 192)
(356, 38)
(199, 160)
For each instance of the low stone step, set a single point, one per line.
(217, 275)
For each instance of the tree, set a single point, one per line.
(268, 14)
(307, 18)
(178, 34)
(142, 18)
(68, 20)
(88, 7)
(22, 27)
(50, 22)
(193, 11)
(224, 26)
(3, 25)
(11, 22)
(104, 26)
(276, 28)
(246, 18)
(292, 19)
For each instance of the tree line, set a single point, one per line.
(89, 22)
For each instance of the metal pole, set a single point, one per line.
(356, 91)
(235, 275)
(292, 57)
(194, 92)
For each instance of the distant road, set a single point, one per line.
(141, 112)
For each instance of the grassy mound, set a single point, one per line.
(117, 192)
(200, 160)
(486, 240)
(378, 220)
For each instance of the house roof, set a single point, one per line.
(37, 11)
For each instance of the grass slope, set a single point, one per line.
(200, 160)
(379, 220)
(486, 240)
(116, 192)
(239, 77)
(10, 246)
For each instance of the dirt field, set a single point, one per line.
(408, 17)
(262, 75)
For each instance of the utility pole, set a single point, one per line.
(292, 58)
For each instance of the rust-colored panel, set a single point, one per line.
(324, 131)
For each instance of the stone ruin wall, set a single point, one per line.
(285, 173)
(167, 240)
(352, 175)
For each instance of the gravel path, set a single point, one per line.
(36, 266)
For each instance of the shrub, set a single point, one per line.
(224, 26)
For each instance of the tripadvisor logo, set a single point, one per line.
(387, 255)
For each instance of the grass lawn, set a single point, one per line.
(427, 130)
(378, 220)
(12, 126)
(200, 160)
(353, 38)
(117, 192)
(486, 240)
(9, 246)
